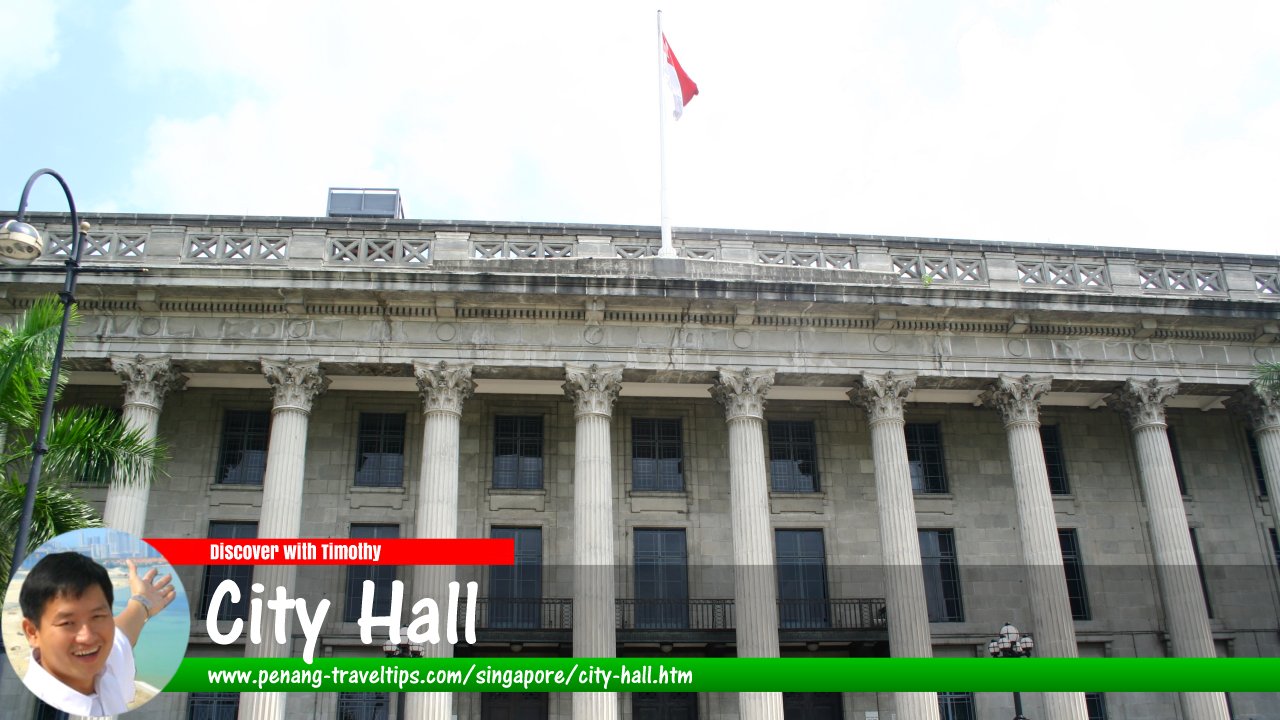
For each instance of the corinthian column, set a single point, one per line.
(296, 383)
(1262, 406)
(883, 397)
(742, 393)
(444, 389)
(592, 390)
(146, 381)
(1186, 618)
(1018, 401)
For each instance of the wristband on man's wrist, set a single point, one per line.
(145, 603)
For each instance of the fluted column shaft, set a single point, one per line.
(593, 390)
(742, 393)
(296, 385)
(1018, 401)
(883, 396)
(444, 389)
(1186, 617)
(146, 381)
(1262, 407)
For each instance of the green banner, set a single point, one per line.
(671, 674)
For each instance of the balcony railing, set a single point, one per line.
(634, 614)
(718, 614)
(523, 614)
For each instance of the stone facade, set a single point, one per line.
(530, 313)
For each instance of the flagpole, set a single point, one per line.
(667, 249)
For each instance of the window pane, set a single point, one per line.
(381, 575)
(802, 579)
(213, 706)
(664, 706)
(1054, 462)
(1073, 566)
(241, 574)
(956, 706)
(941, 575)
(656, 455)
(362, 706)
(380, 450)
(517, 452)
(661, 579)
(924, 455)
(1097, 704)
(242, 459)
(515, 591)
(793, 456)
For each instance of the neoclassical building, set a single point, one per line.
(771, 444)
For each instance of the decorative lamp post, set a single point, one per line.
(1012, 644)
(21, 244)
(403, 649)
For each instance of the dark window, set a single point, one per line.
(664, 706)
(243, 457)
(802, 579)
(662, 579)
(812, 706)
(1177, 460)
(956, 706)
(1097, 705)
(1054, 461)
(517, 452)
(380, 455)
(941, 575)
(793, 456)
(241, 574)
(513, 706)
(657, 456)
(1073, 565)
(1204, 581)
(1275, 545)
(1256, 457)
(213, 705)
(381, 575)
(515, 591)
(924, 455)
(362, 706)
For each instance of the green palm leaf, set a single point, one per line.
(1269, 375)
(26, 356)
(57, 511)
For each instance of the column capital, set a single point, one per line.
(1017, 398)
(444, 387)
(1142, 401)
(1260, 404)
(742, 392)
(592, 388)
(147, 379)
(882, 395)
(296, 383)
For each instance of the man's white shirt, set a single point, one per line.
(113, 686)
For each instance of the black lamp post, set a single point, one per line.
(402, 649)
(20, 244)
(1012, 644)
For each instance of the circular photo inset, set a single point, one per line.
(95, 622)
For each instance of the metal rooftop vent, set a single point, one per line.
(365, 202)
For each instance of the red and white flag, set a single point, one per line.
(683, 88)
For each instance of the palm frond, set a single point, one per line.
(1269, 375)
(26, 355)
(57, 511)
(90, 444)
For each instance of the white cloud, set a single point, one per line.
(30, 40)
(1096, 123)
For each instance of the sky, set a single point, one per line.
(1121, 123)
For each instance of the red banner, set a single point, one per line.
(334, 551)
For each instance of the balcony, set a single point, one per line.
(522, 620)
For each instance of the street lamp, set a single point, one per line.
(21, 244)
(1012, 644)
(402, 649)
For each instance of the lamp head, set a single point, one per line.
(20, 244)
